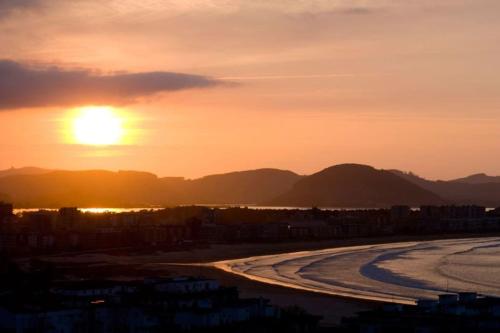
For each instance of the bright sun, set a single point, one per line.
(98, 125)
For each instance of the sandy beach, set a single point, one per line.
(120, 264)
(401, 272)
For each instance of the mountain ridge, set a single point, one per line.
(29, 170)
(457, 192)
(478, 178)
(357, 186)
(103, 188)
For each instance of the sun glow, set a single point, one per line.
(98, 125)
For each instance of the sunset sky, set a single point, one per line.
(201, 87)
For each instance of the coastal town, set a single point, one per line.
(70, 229)
(41, 295)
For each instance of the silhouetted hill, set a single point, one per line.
(422, 182)
(95, 188)
(354, 185)
(479, 178)
(23, 171)
(243, 187)
(99, 188)
(347, 185)
(459, 191)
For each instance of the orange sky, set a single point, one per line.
(297, 85)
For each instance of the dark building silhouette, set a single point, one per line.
(180, 304)
(6, 211)
(452, 313)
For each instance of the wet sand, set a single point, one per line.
(331, 308)
(400, 272)
(122, 264)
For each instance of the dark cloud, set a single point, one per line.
(9, 6)
(23, 86)
(360, 11)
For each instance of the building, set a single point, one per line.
(400, 213)
(6, 211)
(457, 313)
(151, 305)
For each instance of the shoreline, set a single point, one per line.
(355, 277)
(330, 307)
(226, 266)
(122, 264)
(228, 251)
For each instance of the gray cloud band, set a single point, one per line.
(23, 86)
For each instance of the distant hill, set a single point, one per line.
(468, 190)
(243, 187)
(23, 171)
(100, 188)
(479, 178)
(346, 185)
(354, 185)
(94, 188)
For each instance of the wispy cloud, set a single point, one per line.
(286, 77)
(24, 86)
(213, 6)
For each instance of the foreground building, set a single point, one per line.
(151, 305)
(452, 313)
